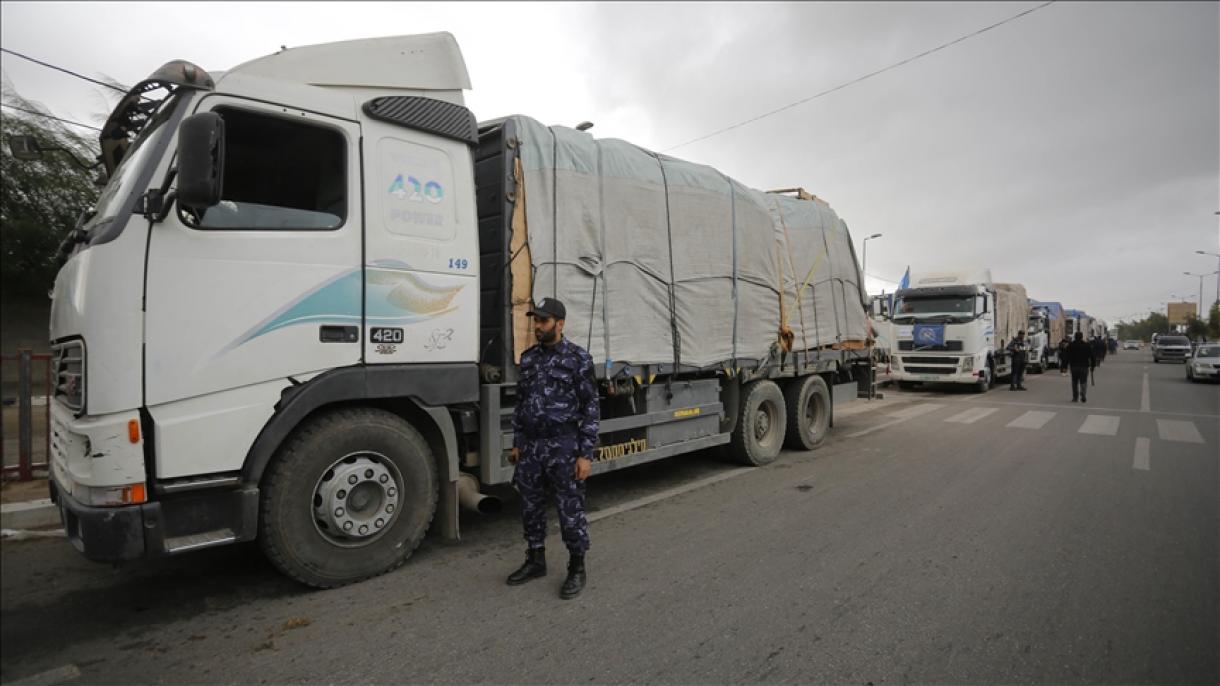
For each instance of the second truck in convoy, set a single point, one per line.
(953, 327)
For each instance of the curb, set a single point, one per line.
(32, 514)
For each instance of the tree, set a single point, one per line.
(39, 200)
(1213, 321)
(1195, 327)
(1142, 329)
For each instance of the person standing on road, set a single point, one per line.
(1017, 349)
(1080, 358)
(1063, 362)
(555, 426)
(1099, 350)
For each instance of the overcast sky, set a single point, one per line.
(1075, 150)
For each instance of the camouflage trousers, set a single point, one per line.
(548, 467)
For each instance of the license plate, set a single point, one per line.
(928, 377)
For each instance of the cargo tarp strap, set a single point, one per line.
(785, 331)
(673, 303)
(523, 282)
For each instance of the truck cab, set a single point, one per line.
(944, 326)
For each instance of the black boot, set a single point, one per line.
(534, 567)
(575, 583)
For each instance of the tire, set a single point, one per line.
(809, 405)
(761, 424)
(296, 528)
(1035, 369)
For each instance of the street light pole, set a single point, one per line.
(1217, 256)
(1200, 307)
(864, 266)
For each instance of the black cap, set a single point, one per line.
(549, 308)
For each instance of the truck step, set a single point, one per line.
(207, 539)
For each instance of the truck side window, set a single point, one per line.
(279, 174)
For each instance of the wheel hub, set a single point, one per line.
(762, 424)
(356, 499)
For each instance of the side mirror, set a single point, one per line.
(201, 160)
(25, 148)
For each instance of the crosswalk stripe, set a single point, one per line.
(1099, 424)
(1174, 430)
(898, 418)
(971, 416)
(1033, 419)
(1142, 454)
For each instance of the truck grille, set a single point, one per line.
(930, 370)
(929, 359)
(949, 346)
(69, 360)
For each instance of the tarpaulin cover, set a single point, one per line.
(659, 260)
(1011, 312)
(1056, 319)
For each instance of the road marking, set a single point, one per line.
(52, 676)
(1068, 406)
(1099, 424)
(1142, 452)
(678, 490)
(899, 417)
(1145, 399)
(1182, 432)
(971, 416)
(1033, 419)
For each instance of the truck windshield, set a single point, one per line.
(123, 182)
(1036, 325)
(944, 308)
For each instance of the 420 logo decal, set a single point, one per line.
(412, 189)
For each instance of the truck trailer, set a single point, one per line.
(953, 327)
(296, 312)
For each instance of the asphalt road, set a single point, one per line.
(938, 537)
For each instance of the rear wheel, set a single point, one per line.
(808, 404)
(348, 497)
(761, 424)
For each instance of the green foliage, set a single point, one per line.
(1213, 321)
(1142, 329)
(40, 200)
(1195, 328)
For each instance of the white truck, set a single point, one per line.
(953, 327)
(296, 312)
(1046, 329)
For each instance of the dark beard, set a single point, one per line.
(547, 337)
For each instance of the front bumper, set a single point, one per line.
(104, 534)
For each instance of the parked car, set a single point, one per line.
(1204, 363)
(1131, 345)
(1171, 348)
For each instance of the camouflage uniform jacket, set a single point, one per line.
(556, 395)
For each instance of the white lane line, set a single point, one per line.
(905, 415)
(1145, 399)
(1086, 408)
(1182, 432)
(1100, 425)
(972, 415)
(658, 497)
(1142, 454)
(1033, 419)
(52, 676)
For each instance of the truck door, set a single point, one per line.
(264, 287)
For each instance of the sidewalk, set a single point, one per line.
(27, 505)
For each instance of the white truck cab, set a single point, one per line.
(945, 325)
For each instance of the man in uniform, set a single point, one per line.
(555, 427)
(1017, 349)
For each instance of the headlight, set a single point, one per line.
(968, 364)
(108, 496)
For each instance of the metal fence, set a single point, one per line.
(33, 433)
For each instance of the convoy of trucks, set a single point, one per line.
(1047, 324)
(296, 312)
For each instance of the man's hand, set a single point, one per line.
(514, 456)
(583, 466)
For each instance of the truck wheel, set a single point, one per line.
(808, 403)
(761, 424)
(348, 497)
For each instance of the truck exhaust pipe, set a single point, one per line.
(470, 498)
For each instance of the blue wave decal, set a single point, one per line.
(394, 296)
